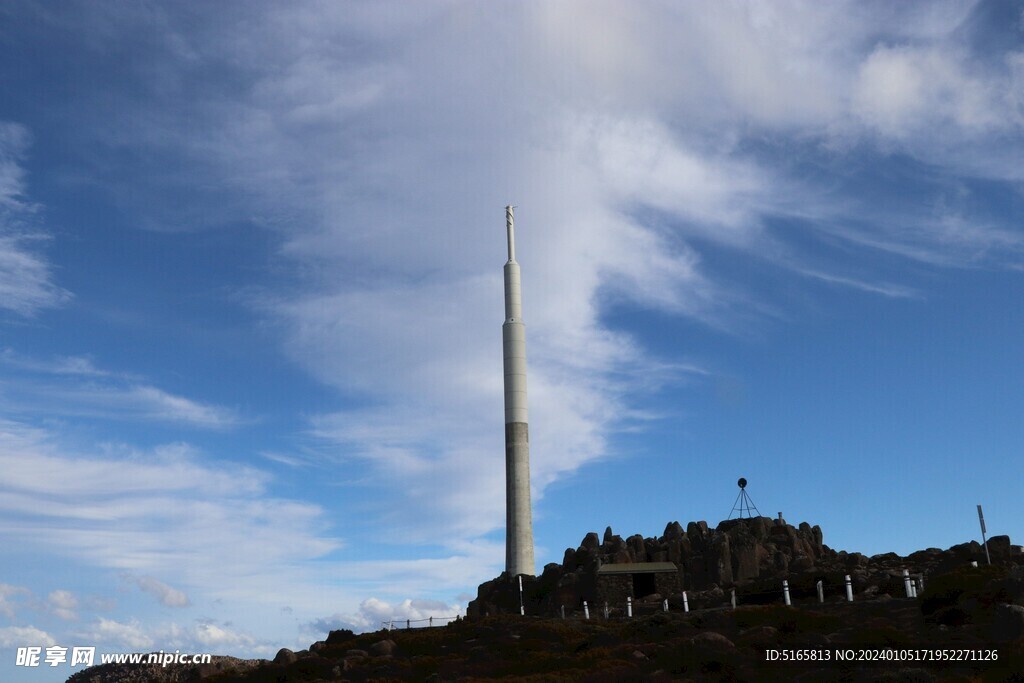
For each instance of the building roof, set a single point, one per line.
(637, 568)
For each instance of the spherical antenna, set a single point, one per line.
(743, 505)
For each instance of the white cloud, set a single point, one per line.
(162, 405)
(207, 635)
(171, 597)
(25, 636)
(130, 635)
(74, 385)
(374, 614)
(904, 91)
(136, 402)
(162, 510)
(7, 592)
(63, 603)
(211, 635)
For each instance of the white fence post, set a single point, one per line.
(821, 591)
(686, 603)
(522, 610)
(732, 598)
(605, 609)
(785, 592)
(664, 605)
(849, 589)
(906, 582)
(586, 610)
(629, 607)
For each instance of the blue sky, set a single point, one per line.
(251, 295)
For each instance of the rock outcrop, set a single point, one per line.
(750, 555)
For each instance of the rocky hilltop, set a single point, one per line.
(751, 556)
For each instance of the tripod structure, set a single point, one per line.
(744, 504)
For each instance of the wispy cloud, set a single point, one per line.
(74, 385)
(61, 365)
(168, 596)
(161, 512)
(26, 282)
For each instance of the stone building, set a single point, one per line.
(616, 582)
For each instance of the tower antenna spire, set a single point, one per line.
(510, 229)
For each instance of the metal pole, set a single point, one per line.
(686, 603)
(849, 589)
(906, 582)
(629, 607)
(984, 542)
(785, 592)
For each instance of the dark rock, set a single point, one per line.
(383, 647)
(590, 542)
(712, 640)
(1007, 622)
(340, 636)
(285, 656)
(760, 635)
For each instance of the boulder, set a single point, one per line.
(673, 531)
(1007, 622)
(712, 640)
